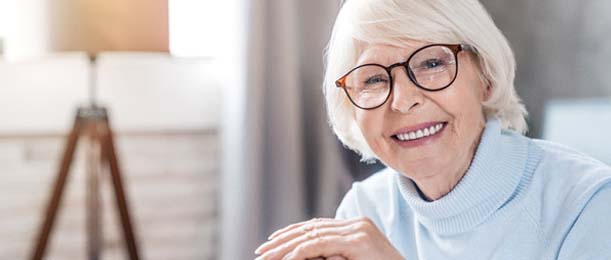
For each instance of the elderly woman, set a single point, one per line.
(427, 88)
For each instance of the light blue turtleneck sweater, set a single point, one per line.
(520, 199)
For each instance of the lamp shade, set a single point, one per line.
(95, 26)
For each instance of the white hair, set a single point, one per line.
(395, 22)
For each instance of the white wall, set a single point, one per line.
(143, 91)
(23, 27)
(200, 28)
(582, 124)
(38, 96)
(147, 91)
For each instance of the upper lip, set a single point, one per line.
(415, 127)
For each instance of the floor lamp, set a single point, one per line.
(96, 26)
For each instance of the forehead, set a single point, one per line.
(388, 54)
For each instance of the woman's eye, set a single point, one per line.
(432, 63)
(375, 80)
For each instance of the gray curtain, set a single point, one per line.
(281, 163)
(562, 47)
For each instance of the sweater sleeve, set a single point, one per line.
(590, 236)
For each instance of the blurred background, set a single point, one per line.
(219, 117)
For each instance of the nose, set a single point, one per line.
(405, 95)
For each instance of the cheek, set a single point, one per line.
(464, 99)
(467, 110)
(367, 122)
(464, 105)
(370, 124)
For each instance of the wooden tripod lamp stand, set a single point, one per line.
(93, 122)
(96, 26)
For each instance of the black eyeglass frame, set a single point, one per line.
(455, 48)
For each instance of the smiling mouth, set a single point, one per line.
(421, 133)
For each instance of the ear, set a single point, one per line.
(486, 91)
(485, 87)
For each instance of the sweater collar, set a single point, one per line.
(493, 176)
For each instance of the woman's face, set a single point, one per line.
(456, 109)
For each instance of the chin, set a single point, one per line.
(425, 167)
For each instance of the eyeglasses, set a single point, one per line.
(433, 68)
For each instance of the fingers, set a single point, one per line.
(294, 241)
(323, 246)
(335, 257)
(296, 225)
(300, 230)
(277, 249)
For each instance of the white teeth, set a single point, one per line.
(420, 133)
(412, 135)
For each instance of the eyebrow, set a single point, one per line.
(373, 61)
(403, 58)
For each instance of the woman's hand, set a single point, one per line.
(353, 239)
